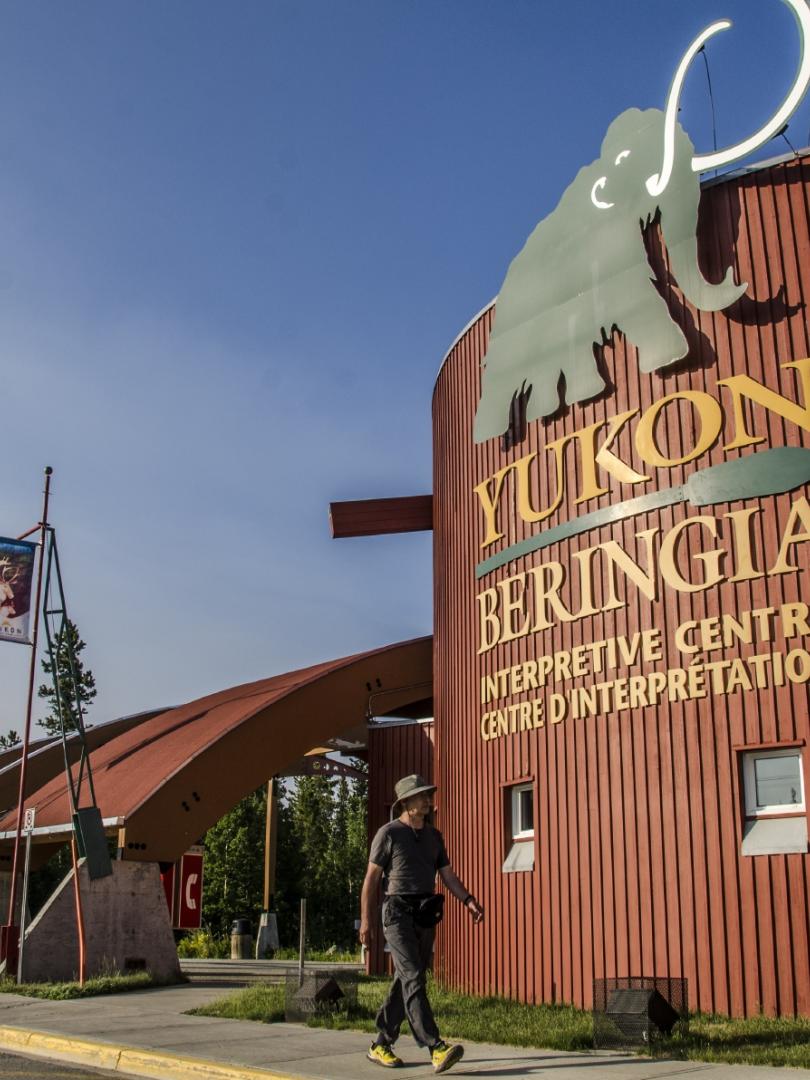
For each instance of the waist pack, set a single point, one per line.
(430, 911)
(426, 911)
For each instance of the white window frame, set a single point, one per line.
(752, 809)
(515, 793)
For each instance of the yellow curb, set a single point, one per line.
(127, 1059)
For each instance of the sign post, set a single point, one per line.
(28, 828)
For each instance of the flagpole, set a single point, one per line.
(8, 948)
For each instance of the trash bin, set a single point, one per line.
(241, 940)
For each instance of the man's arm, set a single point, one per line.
(451, 880)
(368, 903)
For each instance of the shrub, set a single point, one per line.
(203, 944)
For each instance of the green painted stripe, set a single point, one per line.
(769, 472)
(654, 501)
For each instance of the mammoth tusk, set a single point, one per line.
(598, 203)
(700, 162)
(801, 12)
(657, 183)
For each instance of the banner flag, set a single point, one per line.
(16, 576)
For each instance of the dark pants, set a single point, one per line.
(411, 948)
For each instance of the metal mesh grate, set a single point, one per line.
(323, 992)
(633, 1012)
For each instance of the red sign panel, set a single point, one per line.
(189, 907)
(167, 878)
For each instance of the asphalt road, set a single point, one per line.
(13, 1066)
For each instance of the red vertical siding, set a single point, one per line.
(638, 818)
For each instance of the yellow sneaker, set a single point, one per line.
(445, 1055)
(381, 1054)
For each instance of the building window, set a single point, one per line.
(773, 782)
(773, 797)
(522, 812)
(519, 809)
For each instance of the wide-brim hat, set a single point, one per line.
(407, 787)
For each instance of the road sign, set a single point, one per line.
(29, 819)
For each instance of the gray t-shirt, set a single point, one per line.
(409, 858)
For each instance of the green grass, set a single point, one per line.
(262, 1001)
(757, 1041)
(320, 956)
(462, 1017)
(102, 984)
(488, 1019)
(204, 944)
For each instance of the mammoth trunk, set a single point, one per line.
(679, 226)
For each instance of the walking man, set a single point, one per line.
(407, 853)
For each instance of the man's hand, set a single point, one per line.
(475, 910)
(454, 884)
(365, 933)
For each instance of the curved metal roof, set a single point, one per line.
(46, 757)
(169, 779)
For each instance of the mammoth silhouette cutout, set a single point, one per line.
(584, 269)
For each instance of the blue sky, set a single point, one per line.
(236, 240)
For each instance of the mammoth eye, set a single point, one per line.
(600, 204)
(621, 157)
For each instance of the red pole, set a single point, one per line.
(8, 948)
(77, 893)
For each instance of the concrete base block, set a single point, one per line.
(267, 941)
(126, 921)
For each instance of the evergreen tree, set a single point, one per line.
(289, 869)
(329, 830)
(357, 839)
(321, 856)
(85, 683)
(313, 823)
(338, 846)
(47, 877)
(234, 865)
(10, 740)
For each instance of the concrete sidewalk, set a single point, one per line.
(147, 1034)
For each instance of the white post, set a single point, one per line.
(29, 827)
(302, 939)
